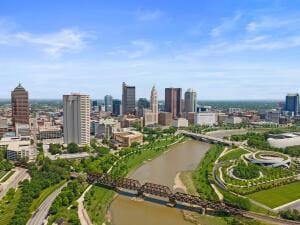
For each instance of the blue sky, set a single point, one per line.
(222, 49)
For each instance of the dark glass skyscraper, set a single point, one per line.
(108, 101)
(116, 107)
(128, 99)
(292, 103)
(173, 101)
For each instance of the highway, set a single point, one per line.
(41, 213)
(19, 175)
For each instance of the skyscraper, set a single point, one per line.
(128, 99)
(108, 99)
(142, 104)
(20, 105)
(292, 103)
(76, 118)
(116, 107)
(190, 101)
(173, 101)
(154, 103)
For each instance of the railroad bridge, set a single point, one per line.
(157, 191)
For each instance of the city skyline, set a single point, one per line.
(220, 49)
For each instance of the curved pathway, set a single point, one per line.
(19, 175)
(82, 213)
(41, 213)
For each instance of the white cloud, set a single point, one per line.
(227, 24)
(258, 43)
(54, 44)
(136, 49)
(143, 15)
(270, 22)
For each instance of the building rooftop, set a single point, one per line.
(19, 88)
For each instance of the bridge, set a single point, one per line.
(157, 190)
(208, 139)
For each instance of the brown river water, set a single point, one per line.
(162, 170)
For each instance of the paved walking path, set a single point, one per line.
(82, 213)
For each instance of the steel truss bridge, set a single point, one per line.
(158, 191)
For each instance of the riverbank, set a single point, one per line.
(99, 199)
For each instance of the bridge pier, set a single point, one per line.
(172, 201)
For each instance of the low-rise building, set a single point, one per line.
(233, 120)
(180, 122)
(106, 127)
(18, 148)
(126, 138)
(205, 119)
(149, 118)
(165, 118)
(191, 117)
(53, 132)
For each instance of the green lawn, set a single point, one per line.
(97, 201)
(2, 173)
(8, 207)
(10, 173)
(187, 179)
(44, 194)
(278, 196)
(234, 154)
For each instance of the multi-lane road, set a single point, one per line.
(41, 213)
(19, 175)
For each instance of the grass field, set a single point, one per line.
(187, 178)
(10, 173)
(8, 207)
(277, 196)
(234, 154)
(2, 173)
(97, 202)
(44, 194)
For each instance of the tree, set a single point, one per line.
(73, 148)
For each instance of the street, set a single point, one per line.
(42, 211)
(19, 175)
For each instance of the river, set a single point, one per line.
(162, 170)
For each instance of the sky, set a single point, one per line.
(225, 50)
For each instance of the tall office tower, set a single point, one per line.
(173, 101)
(292, 103)
(20, 105)
(190, 101)
(95, 105)
(76, 119)
(142, 104)
(116, 107)
(128, 99)
(154, 103)
(108, 101)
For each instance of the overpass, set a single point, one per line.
(208, 139)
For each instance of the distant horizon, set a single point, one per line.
(102, 99)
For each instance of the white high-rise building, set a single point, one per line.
(76, 119)
(154, 103)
